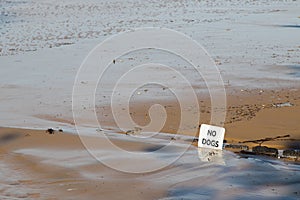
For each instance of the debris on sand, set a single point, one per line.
(286, 104)
(261, 141)
(291, 152)
(50, 131)
(236, 147)
(99, 130)
(135, 131)
(287, 155)
(264, 150)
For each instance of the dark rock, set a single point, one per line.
(265, 150)
(291, 152)
(50, 131)
(247, 152)
(236, 146)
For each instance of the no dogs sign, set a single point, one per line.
(211, 136)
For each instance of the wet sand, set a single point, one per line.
(45, 166)
(60, 169)
(265, 118)
(250, 115)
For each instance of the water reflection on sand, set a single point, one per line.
(225, 176)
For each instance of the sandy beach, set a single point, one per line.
(253, 45)
(76, 175)
(58, 166)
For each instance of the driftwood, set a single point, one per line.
(261, 141)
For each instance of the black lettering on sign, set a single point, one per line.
(210, 142)
(211, 133)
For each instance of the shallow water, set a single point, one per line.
(295, 70)
(189, 177)
(36, 87)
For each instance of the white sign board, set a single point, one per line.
(211, 136)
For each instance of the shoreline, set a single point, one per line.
(54, 165)
(263, 112)
(250, 115)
